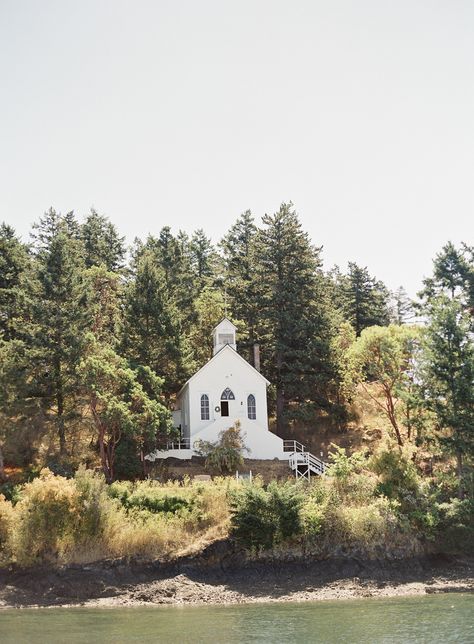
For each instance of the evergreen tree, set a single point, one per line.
(59, 316)
(402, 307)
(240, 282)
(104, 304)
(296, 326)
(449, 371)
(102, 243)
(152, 327)
(450, 275)
(363, 300)
(210, 310)
(172, 255)
(203, 257)
(14, 262)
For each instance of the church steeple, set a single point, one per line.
(223, 334)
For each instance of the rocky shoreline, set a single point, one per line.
(208, 581)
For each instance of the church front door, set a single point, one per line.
(224, 407)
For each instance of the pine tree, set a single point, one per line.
(296, 327)
(14, 262)
(449, 373)
(450, 275)
(102, 243)
(210, 309)
(59, 316)
(402, 306)
(240, 282)
(203, 257)
(152, 326)
(104, 304)
(363, 299)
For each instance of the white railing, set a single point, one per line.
(179, 443)
(293, 446)
(303, 463)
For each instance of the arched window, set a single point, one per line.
(251, 407)
(204, 407)
(227, 394)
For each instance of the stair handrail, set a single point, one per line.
(306, 458)
(293, 446)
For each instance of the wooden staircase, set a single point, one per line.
(301, 462)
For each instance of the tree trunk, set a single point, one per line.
(280, 396)
(392, 416)
(459, 468)
(60, 406)
(3, 476)
(103, 456)
(280, 408)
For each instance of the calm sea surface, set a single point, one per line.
(439, 618)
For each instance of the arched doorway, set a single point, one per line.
(226, 395)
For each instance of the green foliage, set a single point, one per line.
(449, 374)
(296, 323)
(152, 325)
(241, 282)
(56, 336)
(386, 358)
(6, 529)
(343, 465)
(226, 454)
(122, 401)
(263, 518)
(210, 310)
(14, 263)
(398, 476)
(46, 515)
(143, 496)
(455, 525)
(362, 299)
(102, 244)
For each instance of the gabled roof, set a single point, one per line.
(227, 347)
(225, 320)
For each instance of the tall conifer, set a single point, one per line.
(295, 325)
(59, 316)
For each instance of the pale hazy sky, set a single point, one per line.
(188, 112)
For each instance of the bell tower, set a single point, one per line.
(224, 334)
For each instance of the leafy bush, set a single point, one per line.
(225, 455)
(263, 518)
(96, 509)
(456, 525)
(342, 466)
(46, 514)
(6, 529)
(398, 478)
(146, 496)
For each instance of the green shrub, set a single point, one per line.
(6, 529)
(263, 518)
(46, 518)
(456, 525)
(95, 507)
(226, 454)
(343, 466)
(146, 496)
(398, 477)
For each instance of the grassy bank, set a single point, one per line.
(375, 507)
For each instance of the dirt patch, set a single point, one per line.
(219, 579)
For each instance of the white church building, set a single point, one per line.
(225, 390)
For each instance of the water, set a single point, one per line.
(438, 618)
